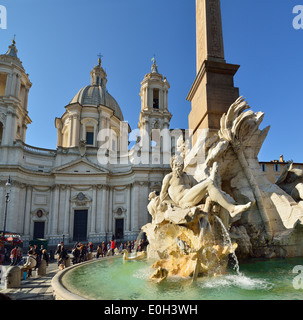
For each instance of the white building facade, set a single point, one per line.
(92, 187)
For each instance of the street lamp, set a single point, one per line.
(7, 192)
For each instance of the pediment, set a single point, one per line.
(81, 166)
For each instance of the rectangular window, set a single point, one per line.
(90, 138)
(277, 167)
(263, 167)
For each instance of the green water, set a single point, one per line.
(118, 280)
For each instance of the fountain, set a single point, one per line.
(206, 215)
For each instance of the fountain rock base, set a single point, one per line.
(187, 243)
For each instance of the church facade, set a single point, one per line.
(93, 186)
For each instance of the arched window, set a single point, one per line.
(156, 98)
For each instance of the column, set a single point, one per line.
(143, 98)
(94, 208)
(67, 210)
(101, 133)
(145, 203)
(161, 99)
(7, 134)
(27, 213)
(50, 209)
(110, 210)
(165, 99)
(145, 142)
(55, 209)
(13, 84)
(75, 130)
(150, 97)
(26, 98)
(166, 143)
(71, 129)
(59, 137)
(104, 209)
(134, 205)
(18, 85)
(128, 209)
(9, 80)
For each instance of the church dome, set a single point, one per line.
(96, 94)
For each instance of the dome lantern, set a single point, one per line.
(98, 75)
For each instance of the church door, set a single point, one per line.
(80, 225)
(119, 228)
(39, 230)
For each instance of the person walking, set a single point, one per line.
(99, 251)
(103, 249)
(112, 246)
(91, 247)
(58, 251)
(14, 256)
(62, 254)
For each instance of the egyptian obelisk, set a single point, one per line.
(213, 90)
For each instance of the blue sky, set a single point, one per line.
(58, 42)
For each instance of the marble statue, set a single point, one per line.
(210, 209)
(181, 233)
(185, 191)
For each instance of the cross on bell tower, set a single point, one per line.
(100, 57)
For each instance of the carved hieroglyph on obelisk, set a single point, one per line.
(213, 90)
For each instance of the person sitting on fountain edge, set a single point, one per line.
(186, 192)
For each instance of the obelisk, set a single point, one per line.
(213, 90)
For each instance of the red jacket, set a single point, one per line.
(112, 244)
(14, 253)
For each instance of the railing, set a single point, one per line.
(41, 151)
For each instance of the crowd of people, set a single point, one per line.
(33, 261)
(80, 252)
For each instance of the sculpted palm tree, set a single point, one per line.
(237, 128)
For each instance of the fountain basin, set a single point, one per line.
(113, 279)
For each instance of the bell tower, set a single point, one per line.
(154, 117)
(213, 90)
(14, 89)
